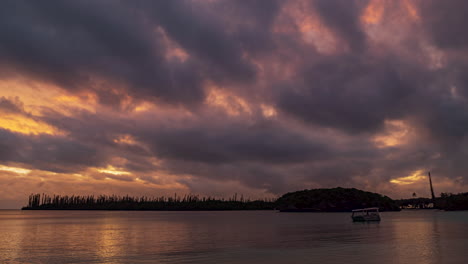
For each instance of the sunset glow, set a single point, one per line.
(115, 171)
(415, 177)
(396, 133)
(220, 97)
(373, 12)
(14, 169)
(26, 125)
(232, 104)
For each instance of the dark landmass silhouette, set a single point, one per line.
(452, 202)
(163, 203)
(334, 200)
(446, 201)
(314, 200)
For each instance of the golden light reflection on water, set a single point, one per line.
(109, 241)
(234, 237)
(420, 239)
(117, 236)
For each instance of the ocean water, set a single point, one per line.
(425, 236)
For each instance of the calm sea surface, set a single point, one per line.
(231, 237)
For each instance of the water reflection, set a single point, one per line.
(230, 237)
(418, 238)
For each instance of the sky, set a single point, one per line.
(210, 97)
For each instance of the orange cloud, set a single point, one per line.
(17, 170)
(415, 177)
(26, 125)
(411, 9)
(306, 22)
(232, 104)
(37, 96)
(373, 12)
(112, 170)
(125, 139)
(396, 132)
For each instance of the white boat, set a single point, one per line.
(366, 214)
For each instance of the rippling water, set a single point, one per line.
(231, 237)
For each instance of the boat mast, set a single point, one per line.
(432, 189)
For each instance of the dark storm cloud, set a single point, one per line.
(248, 174)
(71, 43)
(444, 24)
(202, 37)
(49, 153)
(447, 117)
(329, 105)
(75, 43)
(343, 17)
(231, 142)
(8, 146)
(444, 21)
(263, 154)
(206, 139)
(355, 93)
(251, 22)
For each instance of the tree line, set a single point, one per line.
(117, 202)
(446, 201)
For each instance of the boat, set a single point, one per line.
(366, 215)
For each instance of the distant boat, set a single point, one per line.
(366, 214)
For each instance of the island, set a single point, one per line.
(334, 200)
(314, 200)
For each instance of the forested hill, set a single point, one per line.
(334, 200)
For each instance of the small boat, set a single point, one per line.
(366, 214)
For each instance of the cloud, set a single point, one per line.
(343, 17)
(80, 45)
(260, 96)
(46, 152)
(350, 92)
(443, 20)
(12, 105)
